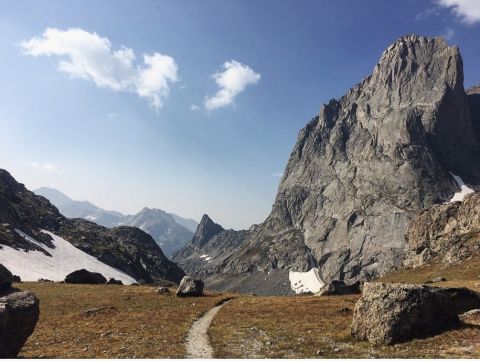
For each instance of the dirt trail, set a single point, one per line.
(198, 344)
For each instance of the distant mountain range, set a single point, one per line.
(36, 241)
(170, 231)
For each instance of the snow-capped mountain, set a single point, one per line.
(170, 231)
(71, 208)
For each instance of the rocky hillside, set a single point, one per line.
(171, 232)
(447, 233)
(128, 249)
(209, 248)
(371, 161)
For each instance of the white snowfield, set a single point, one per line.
(464, 190)
(303, 282)
(66, 258)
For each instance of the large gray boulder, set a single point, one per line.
(393, 313)
(85, 277)
(190, 287)
(19, 314)
(6, 279)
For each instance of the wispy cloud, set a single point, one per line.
(427, 13)
(88, 56)
(277, 175)
(468, 11)
(449, 33)
(232, 81)
(194, 108)
(47, 167)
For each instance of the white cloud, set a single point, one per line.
(232, 81)
(194, 107)
(468, 11)
(48, 167)
(87, 55)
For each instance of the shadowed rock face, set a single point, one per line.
(364, 167)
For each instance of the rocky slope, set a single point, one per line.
(447, 233)
(363, 168)
(209, 248)
(171, 232)
(128, 249)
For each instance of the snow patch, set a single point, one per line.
(91, 218)
(208, 259)
(204, 255)
(303, 282)
(66, 258)
(464, 190)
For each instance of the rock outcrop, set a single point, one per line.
(85, 277)
(190, 287)
(128, 249)
(393, 313)
(447, 233)
(371, 161)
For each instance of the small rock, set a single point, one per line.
(44, 280)
(113, 281)
(163, 290)
(190, 287)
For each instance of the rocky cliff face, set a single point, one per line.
(370, 162)
(128, 249)
(446, 233)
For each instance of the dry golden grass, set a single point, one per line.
(464, 274)
(131, 321)
(308, 327)
(311, 327)
(137, 322)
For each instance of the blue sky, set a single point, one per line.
(112, 145)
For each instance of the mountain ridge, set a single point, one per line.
(168, 230)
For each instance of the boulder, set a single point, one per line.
(19, 313)
(113, 281)
(44, 280)
(339, 288)
(85, 277)
(17, 279)
(6, 278)
(163, 290)
(190, 287)
(392, 313)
